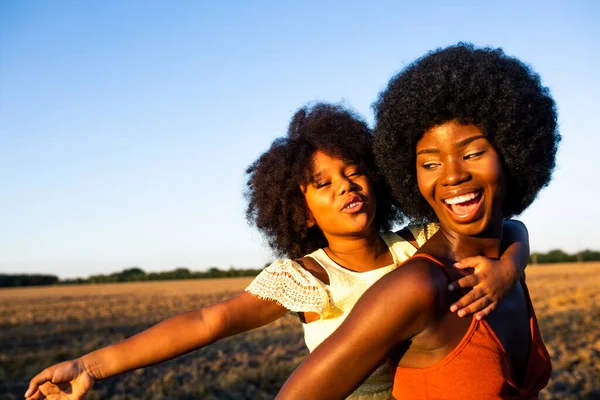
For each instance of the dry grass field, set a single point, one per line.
(41, 326)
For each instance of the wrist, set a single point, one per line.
(511, 270)
(90, 366)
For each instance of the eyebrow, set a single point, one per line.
(460, 144)
(315, 177)
(466, 141)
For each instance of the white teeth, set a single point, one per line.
(352, 204)
(460, 199)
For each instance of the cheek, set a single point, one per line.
(320, 206)
(314, 206)
(425, 185)
(312, 203)
(495, 175)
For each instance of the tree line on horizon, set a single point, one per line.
(136, 274)
(559, 256)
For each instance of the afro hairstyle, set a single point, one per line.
(276, 203)
(499, 94)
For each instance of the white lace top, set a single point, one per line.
(292, 286)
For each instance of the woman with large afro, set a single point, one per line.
(467, 137)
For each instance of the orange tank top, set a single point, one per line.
(478, 368)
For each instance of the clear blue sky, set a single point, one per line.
(126, 126)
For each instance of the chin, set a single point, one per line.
(486, 227)
(480, 225)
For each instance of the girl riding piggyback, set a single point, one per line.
(320, 202)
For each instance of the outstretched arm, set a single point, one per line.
(492, 279)
(168, 339)
(343, 361)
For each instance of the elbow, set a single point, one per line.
(210, 326)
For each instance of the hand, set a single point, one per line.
(490, 280)
(68, 380)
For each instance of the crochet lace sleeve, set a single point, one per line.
(287, 283)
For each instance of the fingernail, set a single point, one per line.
(478, 316)
(453, 308)
(461, 313)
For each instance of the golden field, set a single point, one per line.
(45, 325)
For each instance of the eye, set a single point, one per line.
(319, 185)
(473, 155)
(430, 165)
(353, 170)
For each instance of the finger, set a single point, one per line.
(467, 300)
(474, 307)
(468, 262)
(486, 311)
(37, 395)
(36, 381)
(465, 282)
(466, 268)
(32, 389)
(50, 390)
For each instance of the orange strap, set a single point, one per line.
(444, 268)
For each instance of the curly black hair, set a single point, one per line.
(276, 203)
(481, 86)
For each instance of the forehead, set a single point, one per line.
(321, 160)
(447, 135)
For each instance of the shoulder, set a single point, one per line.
(514, 224)
(412, 290)
(419, 279)
(314, 268)
(291, 285)
(404, 302)
(303, 270)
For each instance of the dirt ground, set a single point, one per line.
(45, 325)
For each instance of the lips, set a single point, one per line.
(353, 204)
(464, 205)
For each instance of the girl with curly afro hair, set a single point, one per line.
(466, 137)
(319, 200)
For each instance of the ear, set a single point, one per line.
(310, 220)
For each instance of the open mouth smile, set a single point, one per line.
(464, 205)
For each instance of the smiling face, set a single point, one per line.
(339, 197)
(461, 176)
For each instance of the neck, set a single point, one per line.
(359, 253)
(485, 244)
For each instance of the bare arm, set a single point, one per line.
(168, 339)
(371, 331)
(515, 243)
(492, 279)
(183, 333)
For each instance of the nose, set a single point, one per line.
(454, 173)
(346, 185)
